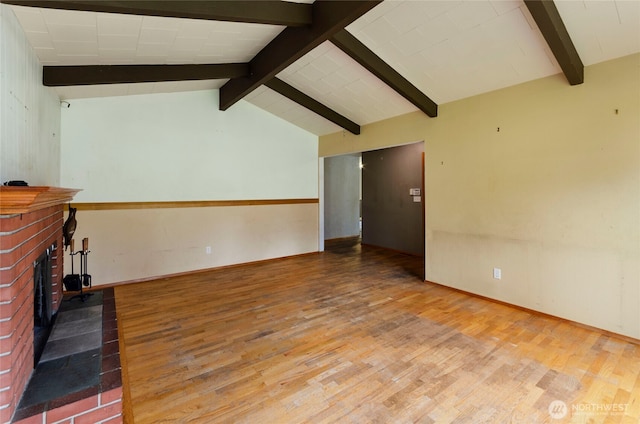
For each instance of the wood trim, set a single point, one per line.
(628, 339)
(127, 407)
(423, 199)
(105, 206)
(24, 199)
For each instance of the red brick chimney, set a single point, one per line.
(31, 220)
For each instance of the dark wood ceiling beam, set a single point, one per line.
(313, 105)
(261, 12)
(56, 76)
(550, 23)
(374, 64)
(292, 43)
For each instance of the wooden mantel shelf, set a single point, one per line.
(16, 200)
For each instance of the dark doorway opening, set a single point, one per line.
(388, 186)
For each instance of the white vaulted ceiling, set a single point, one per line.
(449, 50)
(62, 37)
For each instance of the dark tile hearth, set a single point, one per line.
(81, 357)
(62, 376)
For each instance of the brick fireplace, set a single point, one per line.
(31, 220)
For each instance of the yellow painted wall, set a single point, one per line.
(552, 198)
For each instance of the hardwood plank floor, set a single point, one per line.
(353, 335)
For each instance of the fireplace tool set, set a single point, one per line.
(75, 282)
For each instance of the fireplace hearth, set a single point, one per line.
(31, 252)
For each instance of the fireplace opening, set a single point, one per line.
(42, 302)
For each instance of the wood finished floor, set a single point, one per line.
(354, 336)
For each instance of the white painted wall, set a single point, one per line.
(341, 196)
(29, 111)
(139, 244)
(179, 146)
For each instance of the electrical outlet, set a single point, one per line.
(207, 250)
(497, 273)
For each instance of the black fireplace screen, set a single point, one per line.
(42, 303)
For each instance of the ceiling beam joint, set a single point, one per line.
(313, 105)
(374, 64)
(292, 43)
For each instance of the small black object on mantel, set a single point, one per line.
(16, 183)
